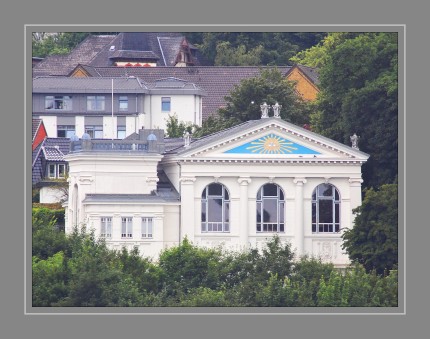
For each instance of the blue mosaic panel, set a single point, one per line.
(271, 144)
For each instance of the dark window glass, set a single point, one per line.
(270, 190)
(325, 190)
(215, 189)
(326, 211)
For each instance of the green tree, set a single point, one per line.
(187, 266)
(373, 241)
(359, 94)
(270, 86)
(48, 280)
(176, 128)
(239, 56)
(47, 237)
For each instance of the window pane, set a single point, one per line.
(314, 195)
(149, 227)
(226, 212)
(259, 193)
(215, 189)
(270, 212)
(325, 190)
(325, 211)
(258, 211)
(61, 170)
(336, 194)
(336, 213)
(226, 197)
(165, 104)
(203, 211)
(214, 210)
(281, 194)
(314, 212)
(281, 212)
(52, 171)
(270, 190)
(123, 103)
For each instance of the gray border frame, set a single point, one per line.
(401, 309)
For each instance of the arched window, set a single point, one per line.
(325, 209)
(270, 209)
(215, 209)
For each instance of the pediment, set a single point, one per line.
(270, 139)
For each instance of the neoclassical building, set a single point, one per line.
(235, 188)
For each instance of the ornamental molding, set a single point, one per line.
(299, 181)
(301, 136)
(85, 180)
(244, 181)
(355, 181)
(187, 180)
(315, 162)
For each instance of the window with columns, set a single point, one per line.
(270, 209)
(325, 209)
(215, 215)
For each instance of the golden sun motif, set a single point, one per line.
(271, 144)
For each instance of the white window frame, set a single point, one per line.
(58, 102)
(147, 227)
(69, 130)
(94, 131)
(52, 175)
(326, 228)
(270, 227)
(96, 102)
(208, 226)
(63, 166)
(121, 131)
(106, 227)
(123, 100)
(126, 227)
(165, 101)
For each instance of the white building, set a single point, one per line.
(237, 188)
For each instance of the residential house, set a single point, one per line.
(112, 108)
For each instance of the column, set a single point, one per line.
(299, 215)
(187, 227)
(354, 198)
(243, 224)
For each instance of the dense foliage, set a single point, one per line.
(359, 94)
(252, 48)
(81, 271)
(373, 241)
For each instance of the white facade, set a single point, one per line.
(269, 152)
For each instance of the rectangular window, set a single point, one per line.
(65, 131)
(127, 227)
(120, 132)
(106, 227)
(95, 103)
(58, 102)
(61, 170)
(165, 104)
(147, 227)
(52, 171)
(123, 103)
(94, 131)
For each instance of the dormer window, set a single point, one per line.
(56, 171)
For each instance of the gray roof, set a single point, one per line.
(52, 153)
(216, 81)
(138, 55)
(35, 126)
(87, 85)
(154, 197)
(63, 64)
(51, 149)
(95, 51)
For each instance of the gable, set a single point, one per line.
(271, 143)
(270, 139)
